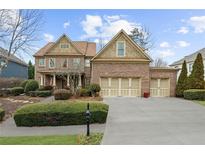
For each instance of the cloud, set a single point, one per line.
(198, 23)
(183, 30)
(164, 45)
(90, 25)
(48, 37)
(183, 44)
(105, 27)
(66, 24)
(166, 53)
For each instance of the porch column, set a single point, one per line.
(68, 80)
(79, 82)
(41, 80)
(54, 80)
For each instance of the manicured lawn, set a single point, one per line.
(200, 102)
(94, 139)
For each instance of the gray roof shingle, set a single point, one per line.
(3, 53)
(190, 58)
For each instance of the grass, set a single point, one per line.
(94, 139)
(200, 102)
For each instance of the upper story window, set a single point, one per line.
(64, 46)
(190, 67)
(121, 48)
(41, 62)
(64, 63)
(76, 61)
(52, 62)
(87, 62)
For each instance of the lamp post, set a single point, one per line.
(88, 115)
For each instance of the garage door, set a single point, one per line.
(160, 87)
(120, 87)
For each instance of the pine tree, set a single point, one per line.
(196, 78)
(182, 81)
(30, 70)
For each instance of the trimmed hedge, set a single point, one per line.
(84, 92)
(194, 94)
(23, 83)
(59, 113)
(94, 89)
(17, 91)
(62, 94)
(31, 85)
(44, 88)
(44, 93)
(2, 114)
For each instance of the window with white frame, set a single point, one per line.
(64, 46)
(121, 48)
(190, 67)
(52, 62)
(41, 62)
(76, 62)
(87, 62)
(64, 63)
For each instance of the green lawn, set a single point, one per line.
(200, 102)
(53, 140)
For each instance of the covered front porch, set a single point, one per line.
(71, 81)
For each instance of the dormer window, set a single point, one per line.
(120, 48)
(64, 46)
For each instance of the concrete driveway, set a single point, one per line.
(154, 121)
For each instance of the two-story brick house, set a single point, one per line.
(64, 63)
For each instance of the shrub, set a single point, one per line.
(46, 88)
(17, 91)
(182, 81)
(44, 93)
(9, 82)
(2, 114)
(194, 94)
(31, 85)
(84, 92)
(62, 94)
(23, 84)
(94, 88)
(59, 113)
(196, 78)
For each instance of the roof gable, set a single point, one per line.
(56, 49)
(133, 50)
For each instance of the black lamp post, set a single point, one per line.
(88, 115)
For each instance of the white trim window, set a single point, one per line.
(52, 62)
(64, 45)
(76, 62)
(64, 62)
(87, 62)
(120, 48)
(41, 62)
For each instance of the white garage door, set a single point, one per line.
(120, 87)
(160, 88)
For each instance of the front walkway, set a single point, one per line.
(154, 121)
(8, 128)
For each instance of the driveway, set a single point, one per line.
(154, 121)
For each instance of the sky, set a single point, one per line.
(175, 33)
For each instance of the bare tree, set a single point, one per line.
(159, 62)
(21, 28)
(143, 37)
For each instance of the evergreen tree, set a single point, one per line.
(30, 70)
(182, 81)
(196, 78)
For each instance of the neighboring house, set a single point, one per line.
(190, 61)
(15, 67)
(122, 68)
(64, 63)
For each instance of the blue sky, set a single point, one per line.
(176, 33)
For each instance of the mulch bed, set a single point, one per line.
(11, 103)
(86, 98)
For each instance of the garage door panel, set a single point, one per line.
(159, 88)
